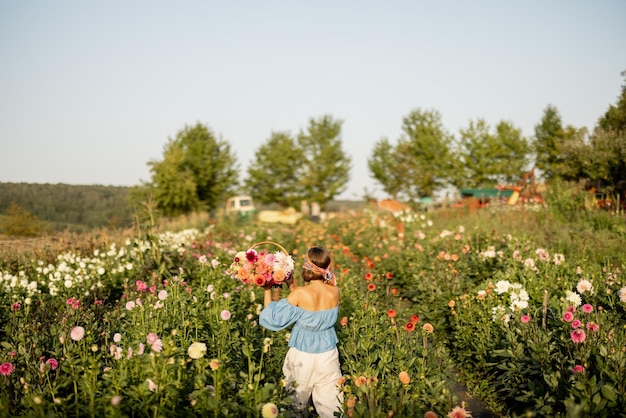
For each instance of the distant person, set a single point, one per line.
(311, 365)
(315, 212)
(305, 209)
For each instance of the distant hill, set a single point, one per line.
(70, 207)
(81, 207)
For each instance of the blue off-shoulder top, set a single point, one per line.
(313, 332)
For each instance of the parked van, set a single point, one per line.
(240, 205)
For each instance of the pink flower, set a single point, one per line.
(592, 326)
(76, 304)
(578, 336)
(587, 308)
(576, 323)
(77, 333)
(141, 286)
(578, 369)
(157, 346)
(6, 369)
(151, 385)
(151, 338)
(225, 314)
(130, 305)
(568, 316)
(141, 349)
(53, 363)
(16, 307)
(525, 319)
(162, 295)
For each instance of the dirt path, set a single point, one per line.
(475, 406)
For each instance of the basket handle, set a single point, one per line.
(271, 243)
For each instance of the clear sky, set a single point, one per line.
(90, 92)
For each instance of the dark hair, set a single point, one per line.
(321, 258)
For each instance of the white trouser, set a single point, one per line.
(315, 374)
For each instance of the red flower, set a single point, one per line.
(371, 287)
(6, 369)
(389, 275)
(391, 313)
(415, 319)
(369, 276)
(410, 326)
(394, 291)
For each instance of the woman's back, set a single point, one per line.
(317, 296)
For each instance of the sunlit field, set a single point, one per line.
(149, 324)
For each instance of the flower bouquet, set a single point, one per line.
(262, 268)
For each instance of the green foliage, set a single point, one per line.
(384, 168)
(423, 155)
(20, 223)
(325, 170)
(488, 159)
(198, 170)
(70, 207)
(272, 175)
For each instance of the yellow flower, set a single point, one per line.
(269, 410)
(196, 350)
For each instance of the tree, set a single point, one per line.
(173, 186)
(489, 159)
(384, 168)
(422, 162)
(549, 135)
(198, 172)
(272, 176)
(20, 223)
(325, 169)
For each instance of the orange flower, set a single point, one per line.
(428, 328)
(455, 257)
(369, 276)
(344, 321)
(259, 280)
(451, 303)
(394, 291)
(351, 402)
(391, 313)
(404, 378)
(341, 381)
(389, 275)
(415, 319)
(430, 414)
(371, 287)
(360, 381)
(410, 326)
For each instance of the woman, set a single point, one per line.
(312, 363)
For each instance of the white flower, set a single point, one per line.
(117, 337)
(162, 295)
(573, 298)
(196, 350)
(502, 286)
(584, 286)
(622, 294)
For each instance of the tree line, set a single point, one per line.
(199, 170)
(63, 207)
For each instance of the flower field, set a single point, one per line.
(155, 327)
